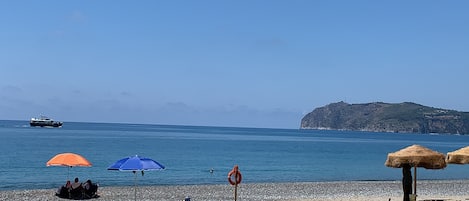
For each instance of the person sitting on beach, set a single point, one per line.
(68, 185)
(90, 189)
(76, 191)
(87, 185)
(63, 190)
(76, 184)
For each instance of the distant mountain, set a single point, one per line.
(404, 117)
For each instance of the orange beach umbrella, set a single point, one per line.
(68, 160)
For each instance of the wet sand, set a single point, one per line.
(303, 191)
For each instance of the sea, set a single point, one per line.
(204, 155)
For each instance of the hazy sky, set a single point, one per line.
(227, 63)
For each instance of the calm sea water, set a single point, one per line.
(189, 152)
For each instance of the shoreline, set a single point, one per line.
(297, 191)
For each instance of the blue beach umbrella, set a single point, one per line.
(134, 164)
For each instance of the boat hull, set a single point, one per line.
(44, 121)
(42, 124)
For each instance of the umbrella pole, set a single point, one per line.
(135, 186)
(415, 180)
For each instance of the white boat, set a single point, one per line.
(45, 121)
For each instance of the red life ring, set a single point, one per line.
(237, 176)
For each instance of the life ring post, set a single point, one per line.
(237, 179)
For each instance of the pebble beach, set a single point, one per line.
(302, 191)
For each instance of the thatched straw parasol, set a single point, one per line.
(416, 156)
(460, 156)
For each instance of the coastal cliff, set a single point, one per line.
(404, 117)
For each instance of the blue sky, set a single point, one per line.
(227, 63)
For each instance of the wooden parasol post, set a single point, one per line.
(415, 180)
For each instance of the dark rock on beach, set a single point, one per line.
(404, 117)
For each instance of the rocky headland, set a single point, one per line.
(404, 117)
